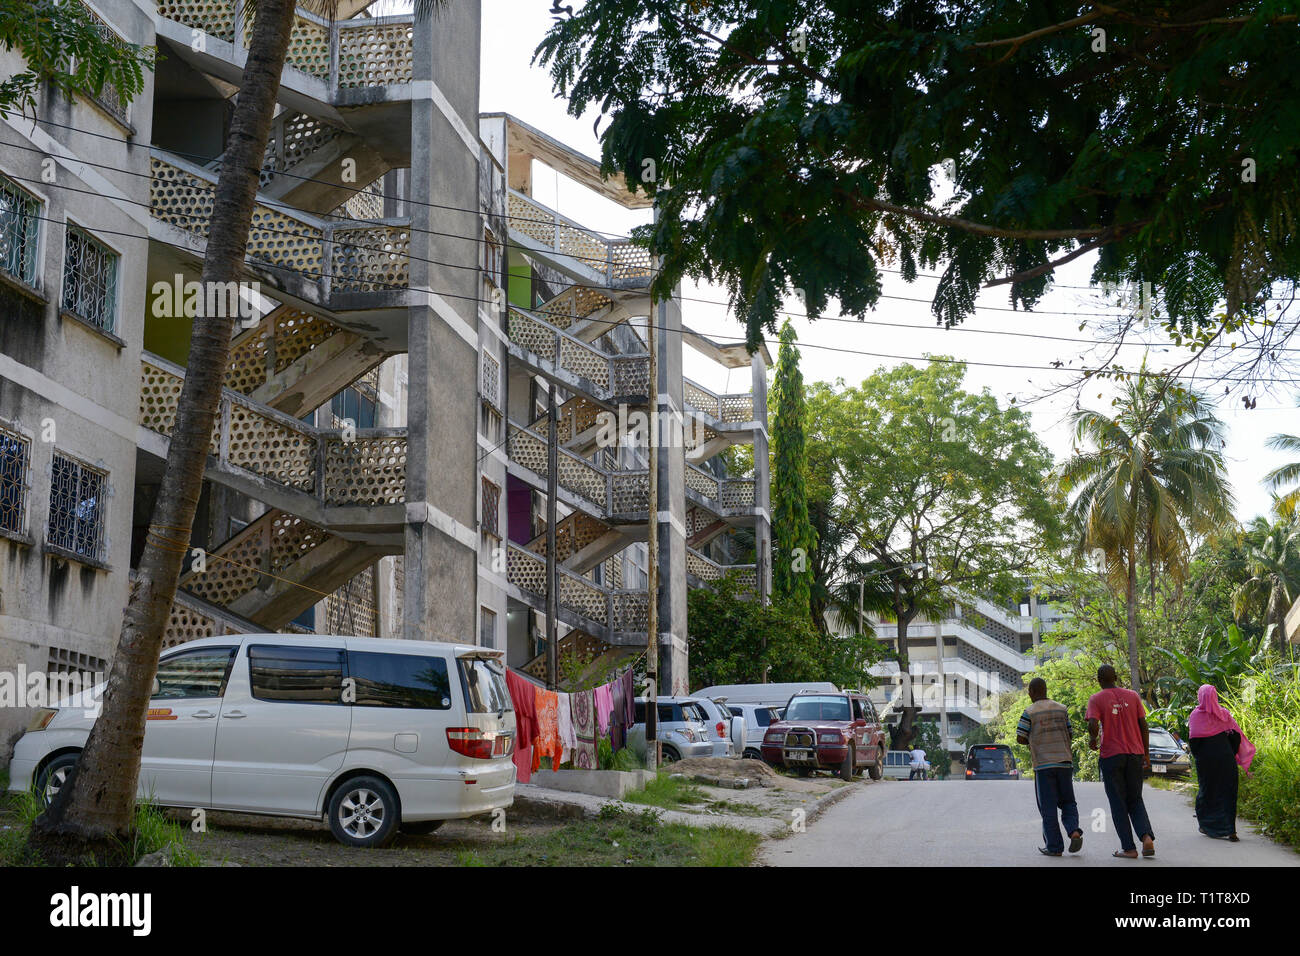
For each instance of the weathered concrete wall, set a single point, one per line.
(65, 386)
(442, 490)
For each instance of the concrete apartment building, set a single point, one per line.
(380, 463)
(959, 665)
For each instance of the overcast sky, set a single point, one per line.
(511, 31)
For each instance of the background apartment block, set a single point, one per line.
(380, 463)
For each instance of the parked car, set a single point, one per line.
(991, 762)
(369, 735)
(719, 727)
(757, 719)
(898, 764)
(1168, 756)
(681, 728)
(839, 732)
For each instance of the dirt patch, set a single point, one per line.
(728, 768)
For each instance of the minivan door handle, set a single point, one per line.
(234, 714)
(203, 714)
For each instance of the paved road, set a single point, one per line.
(996, 823)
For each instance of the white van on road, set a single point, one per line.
(369, 735)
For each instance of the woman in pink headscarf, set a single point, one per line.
(1219, 747)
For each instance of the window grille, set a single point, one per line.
(15, 460)
(491, 500)
(89, 279)
(19, 227)
(77, 508)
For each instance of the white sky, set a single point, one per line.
(509, 84)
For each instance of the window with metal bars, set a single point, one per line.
(15, 460)
(487, 628)
(19, 231)
(77, 508)
(108, 97)
(89, 279)
(491, 501)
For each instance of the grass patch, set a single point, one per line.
(152, 832)
(668, 793)
(619, 837)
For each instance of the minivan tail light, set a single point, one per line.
(472, 742)
(722, 730)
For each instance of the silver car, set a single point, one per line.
(682, 729)
(757, 717)
(726, 731)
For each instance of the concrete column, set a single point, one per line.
(671, 505)
(762, 479)
(442, 456)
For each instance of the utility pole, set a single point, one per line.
(552, 585)
(652, 531)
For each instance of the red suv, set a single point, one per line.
(819, 731)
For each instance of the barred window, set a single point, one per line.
(491, 500)
(487, 628)
(89, 279)
(19, 228)
(77, 508)
(491, 381)
(15, 459)
(108, 97)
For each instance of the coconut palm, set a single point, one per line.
(1285, 476)
(93, 811)
(1273, 562)
(1151, 477)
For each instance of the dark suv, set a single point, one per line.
(991, 762)
(840, 732)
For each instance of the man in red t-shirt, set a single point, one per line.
(1125, 755)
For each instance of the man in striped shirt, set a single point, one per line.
(1045, 728)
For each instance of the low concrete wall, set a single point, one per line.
(602, 783)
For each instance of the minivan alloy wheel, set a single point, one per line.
(362, 813)
(55, 783)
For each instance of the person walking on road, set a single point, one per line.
(1045, 729)
(1125, 753)
(1219, 747)
(918, 764)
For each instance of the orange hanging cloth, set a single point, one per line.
(548, 742)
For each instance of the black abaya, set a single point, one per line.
(1216, 797)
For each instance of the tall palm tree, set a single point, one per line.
(1273, 562)
(1150, 477)
(1285, 476)
(93, 811)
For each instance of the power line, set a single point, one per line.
(388, 286)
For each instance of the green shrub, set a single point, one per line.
(1267, 706)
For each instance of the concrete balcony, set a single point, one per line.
(585, 256)
(338, 267)
(705, 570)
(620, 497)
(614, 615)
(354, 485)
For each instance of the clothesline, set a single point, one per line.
(566, 727)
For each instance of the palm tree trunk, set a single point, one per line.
(1130, 597)
(903, 733)
(94, 809)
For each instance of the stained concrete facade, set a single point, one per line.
(380, 462)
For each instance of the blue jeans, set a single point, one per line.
(1122, 775)
(1054, 790)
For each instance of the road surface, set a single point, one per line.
(996, 823)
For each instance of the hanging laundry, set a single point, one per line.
(523, 697)
(583, 711)
(548, 728)
(629, 698)
(568, 740)
(604, 705)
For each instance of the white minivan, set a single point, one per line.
(369, 735)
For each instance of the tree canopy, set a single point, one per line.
(63, 43)
(793, 537)
(792, 144)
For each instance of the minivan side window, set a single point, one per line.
(400, 680)
(298, 675)
(198, 673)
